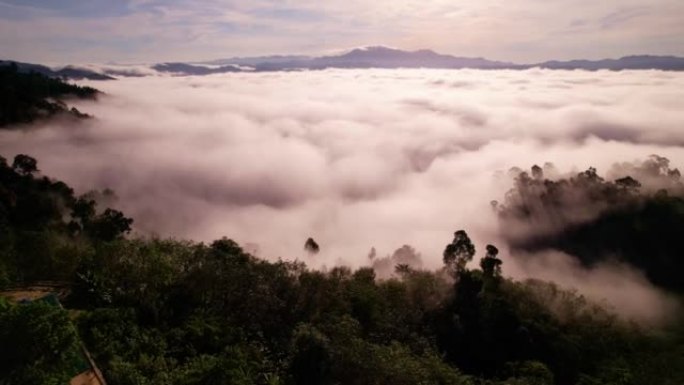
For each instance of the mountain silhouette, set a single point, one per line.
(68, 72)
(362, 58)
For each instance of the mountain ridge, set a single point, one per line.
(67, 72)
(365, 58)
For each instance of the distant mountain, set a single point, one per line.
(75, 73)
(69, 72)
(368, 57)
(383, 57)
(189, 69)
(637, 62)
(254, 61)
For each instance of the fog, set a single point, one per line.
(354, 159)
(620, 288)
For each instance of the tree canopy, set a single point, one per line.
(28, 96)
(167, 311)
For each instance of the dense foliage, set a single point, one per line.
(39, 345)
(162, 311)
(46, 231)
(25, 97)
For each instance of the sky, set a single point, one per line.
(524, 31)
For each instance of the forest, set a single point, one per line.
(29, 96)
(166, 311)
(155, 310)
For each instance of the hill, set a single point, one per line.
(637, 62)
(384, 57)
(29, 96)
(598, 220)
(68, 72)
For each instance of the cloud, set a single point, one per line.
(354, 159)
(70, 8)
(619, 287)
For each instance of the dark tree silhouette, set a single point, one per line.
(28, 96)
(490, 264)
(372, 253)
(628, 183)
(24, 165)
(459, 252)
(537, 172)
(109, 225)
(311, 246)
(638, 225)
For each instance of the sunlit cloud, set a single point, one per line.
(359, 159)
(356, 158)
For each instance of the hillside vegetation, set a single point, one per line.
(165, 311)
(595, 219)
(26, 97)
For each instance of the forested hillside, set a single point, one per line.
(593, 218)
(165, 311)
(28, 96)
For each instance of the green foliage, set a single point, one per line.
(38, 345)
(312, 359)
(343, 355)
(36, 241)
(164, 311)
(528, 373)
(173, 302)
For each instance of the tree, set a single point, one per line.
(226, 246)
(311, 246)
(656, 165)
(38, 344)
(402, 268)
(675, 175)
(528, 373)
(83, 210)
(628, 183)
(537, 172)
(459, 252)
(590, 176)
(311, 359)
(490, 264)
(24, 165)
(110, 225)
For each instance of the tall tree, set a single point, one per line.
(459, 252)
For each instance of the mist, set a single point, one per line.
(354, 159)
(619, 287)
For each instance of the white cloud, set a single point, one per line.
(355, 159)
(621, 288)
(408, 153)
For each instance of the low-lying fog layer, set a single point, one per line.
(354, 159)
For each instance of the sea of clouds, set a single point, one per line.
(353, 158)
